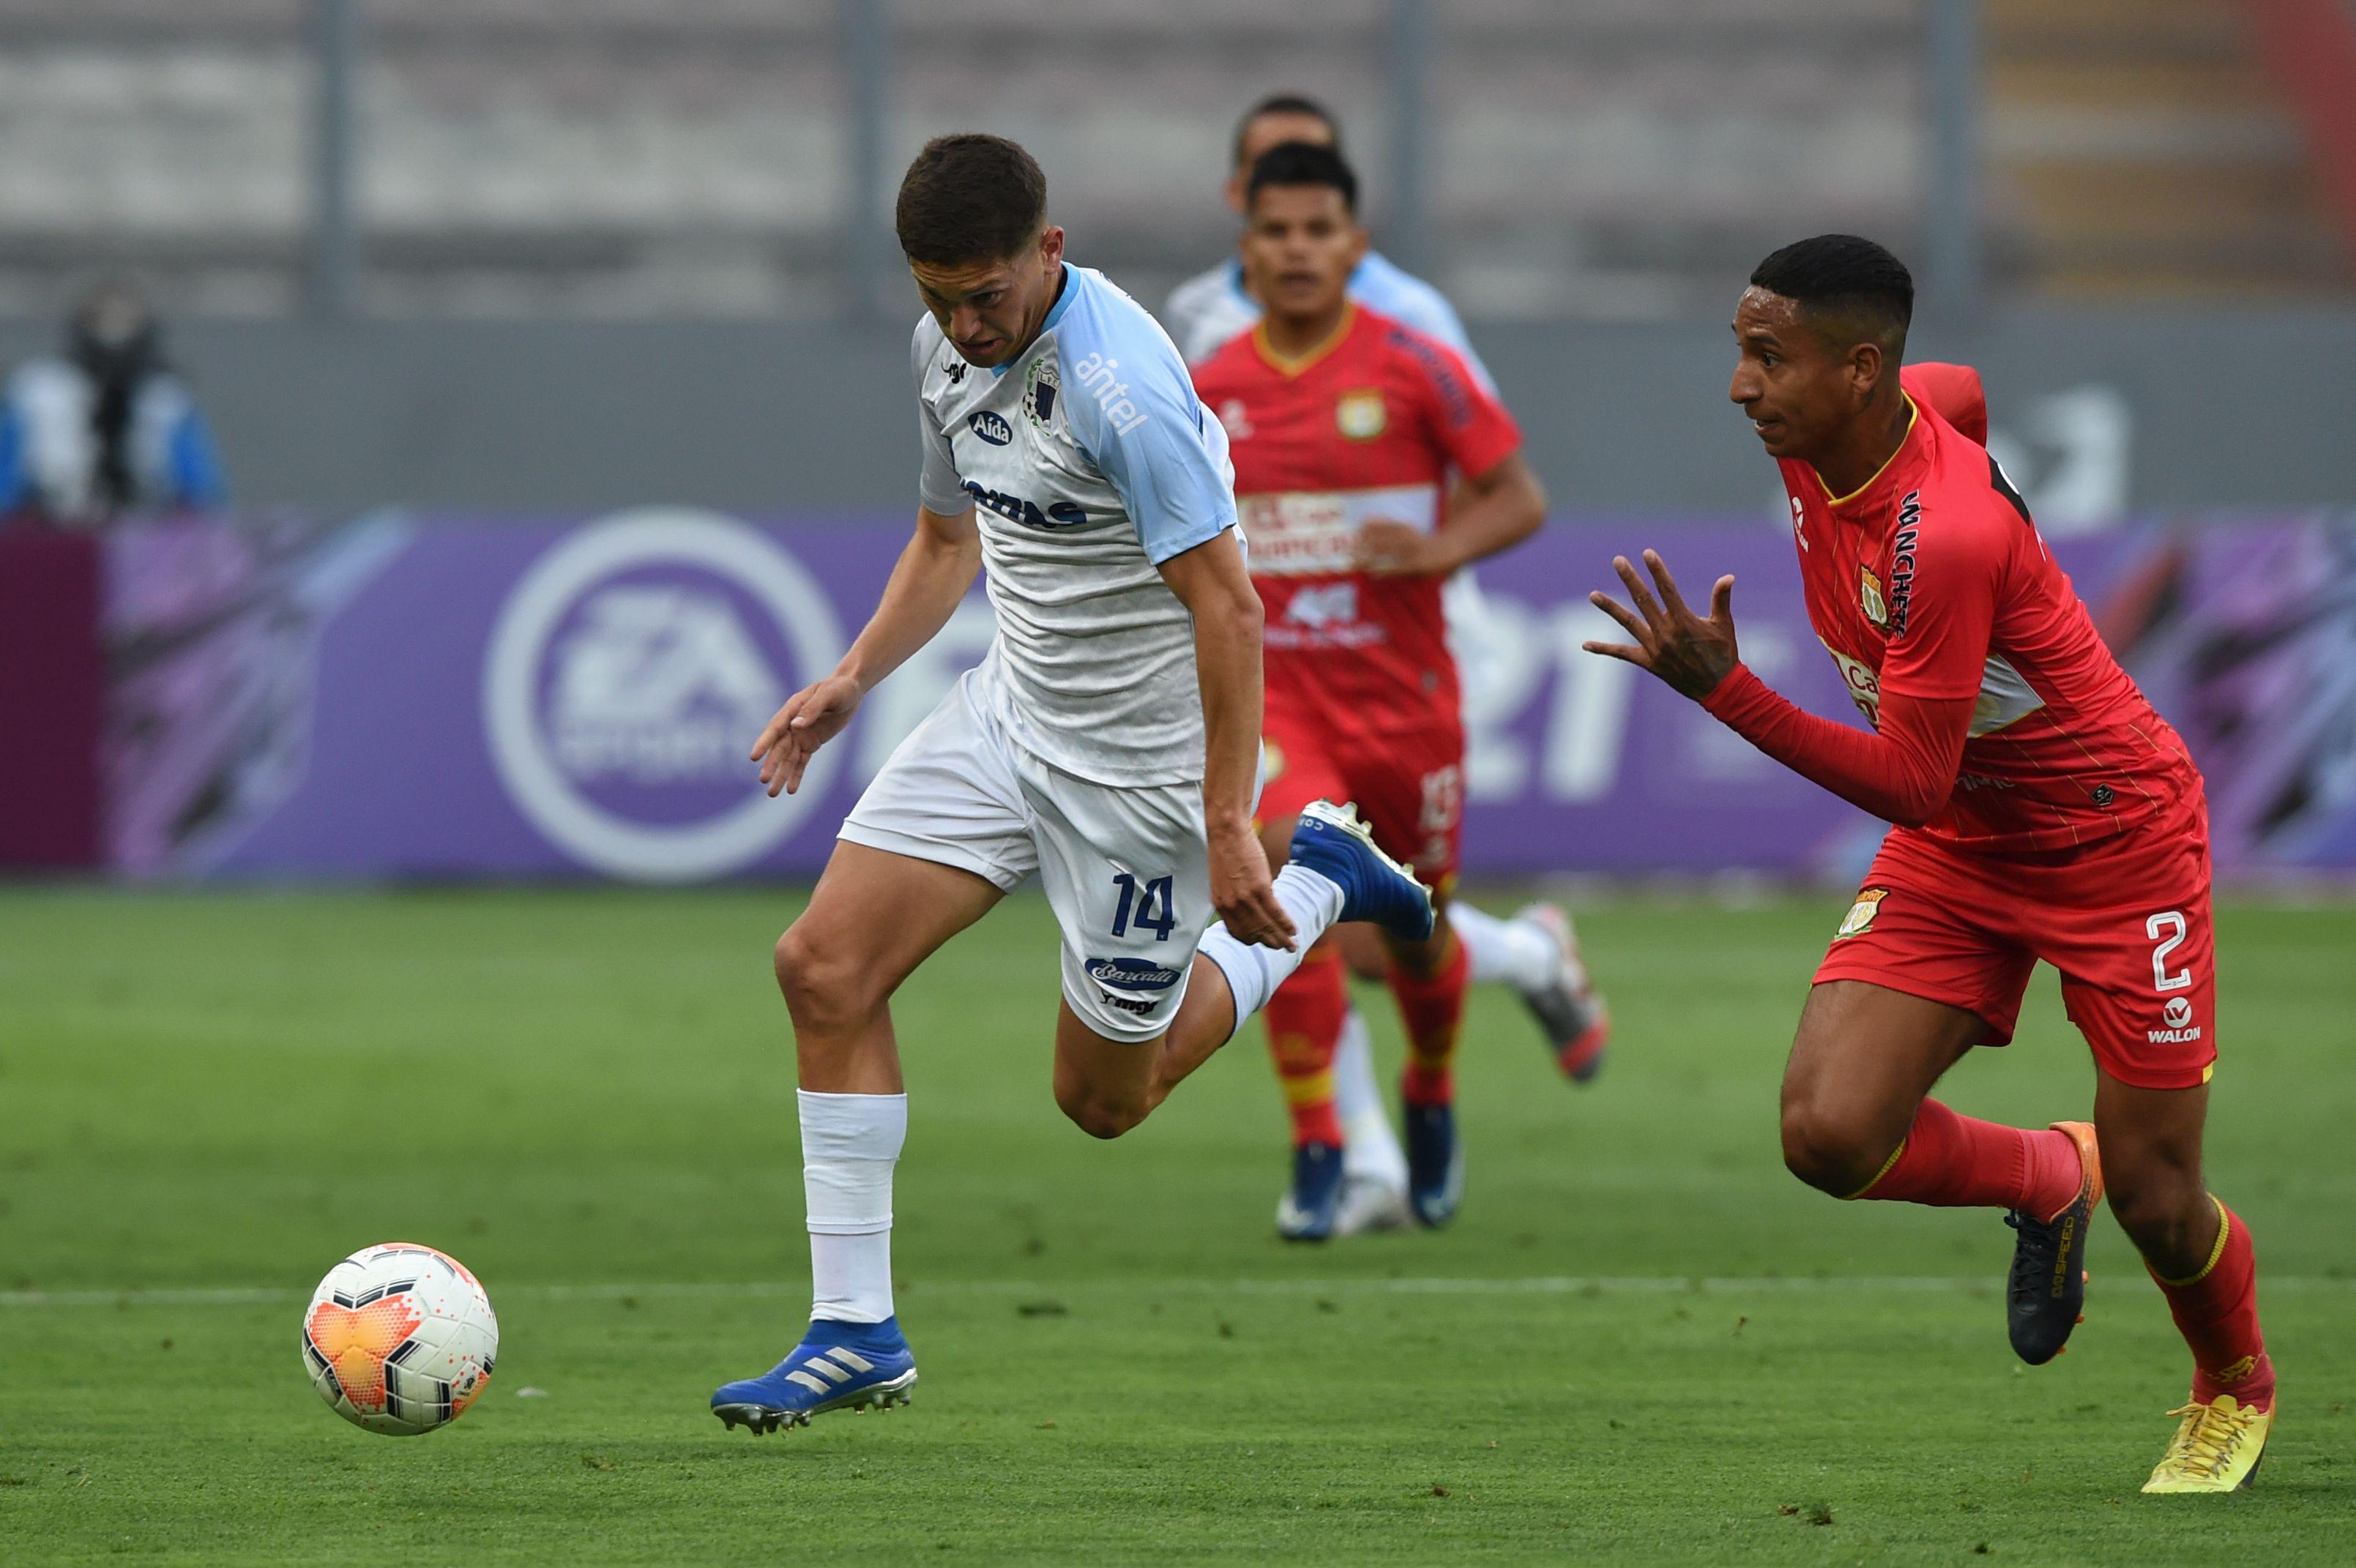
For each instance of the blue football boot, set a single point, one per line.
(1333, 842)
(837, 1366)
(1435, 1164)
(1307, 1212)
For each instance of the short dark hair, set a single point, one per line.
(1283, 103)
(970, 198)
(1845, 276)
(1303, 163)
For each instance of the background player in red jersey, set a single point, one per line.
(1536, 951)
(1344, 426)
(2042, 810)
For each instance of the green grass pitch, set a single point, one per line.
(1642, 1342)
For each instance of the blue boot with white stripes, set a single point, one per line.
(837, 1366)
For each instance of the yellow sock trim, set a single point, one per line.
(2224, 1228)
(1878, 1175)
(1308, 1089)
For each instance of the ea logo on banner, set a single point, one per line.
(628, 674)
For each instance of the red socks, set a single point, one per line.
(1304, 1024)
(2217, 1312)
(1432, 1009)
(1952, 1161)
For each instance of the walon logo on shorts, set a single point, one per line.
(2178, 1017)
(1859, 919)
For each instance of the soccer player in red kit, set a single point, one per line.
(1344, 426)
(2042, 809)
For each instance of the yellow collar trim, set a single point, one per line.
(1295, 364)
(1912, 415)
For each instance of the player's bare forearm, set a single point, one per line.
(1493, 512)
(1211, 582)
(1488, 513)
(932, 576)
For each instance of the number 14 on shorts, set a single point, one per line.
(1148, 904)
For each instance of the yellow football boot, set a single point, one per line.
(2216, 1448)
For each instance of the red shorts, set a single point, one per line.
(2127, 924)
(1410, 786)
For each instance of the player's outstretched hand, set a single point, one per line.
(1691, 653)
(1243, 890)
(810, 718)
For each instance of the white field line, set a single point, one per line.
(1540, 1284)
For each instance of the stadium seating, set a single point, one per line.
(645, 157)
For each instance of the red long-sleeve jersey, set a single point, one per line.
(2001, 722)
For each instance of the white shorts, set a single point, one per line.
(1126, 869)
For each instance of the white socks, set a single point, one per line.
(1370, 1148)
(1515, 951)
(849, 1144)
(1254, 972)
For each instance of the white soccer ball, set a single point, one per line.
(399, 1339)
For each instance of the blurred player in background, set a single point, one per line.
(1536, 952)
(1109, 743)
(106, 427)
(2042, 810)
(1344, 426)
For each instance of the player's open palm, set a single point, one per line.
(810, 718)
(1691, 653)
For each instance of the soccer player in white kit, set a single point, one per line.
(1537, 951)
(1109, 743)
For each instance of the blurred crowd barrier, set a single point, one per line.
(430, 697)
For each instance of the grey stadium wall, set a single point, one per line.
(2148, 410)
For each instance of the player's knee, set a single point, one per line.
(825, 987)
(1829, 1151)
(1097, 1114)
(2165, 1219)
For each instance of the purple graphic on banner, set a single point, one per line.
(449, 698)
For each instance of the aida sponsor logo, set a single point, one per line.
(992, 427)
(1098, 375)
(1902, 559)
(2177, 1018)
